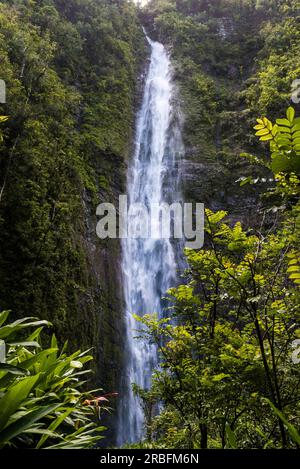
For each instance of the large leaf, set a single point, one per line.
(25, 422)
(16, 326)
(290, 114)
(284, 164)
(3, 316)
(24, 344)
(293, 432)
(230, 437)
(284, 122)
(15, 370)
(14, 397)
(56, 378)
(54, 425)
(37, 359)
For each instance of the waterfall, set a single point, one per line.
(149, 265)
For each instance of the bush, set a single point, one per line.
(41, 405)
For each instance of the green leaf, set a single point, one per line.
(37, 358)
(296, 128)
(264, 138)
(284, 139)
(54, 425)
(220, 376)
(24, 344)
(14, 397)
(290, 114)
(14, 370)
(230, 437)
(25, 422)
(285, 130)
(267, 123)
(14, 327)
(283, 122)
(295, 276)
(3, 316)
(291, 429)
(275, 130)
(262, 132)
(245, 180)
(296, 134)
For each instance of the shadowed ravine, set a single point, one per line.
(149, 265)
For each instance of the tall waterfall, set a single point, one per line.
(149, 265)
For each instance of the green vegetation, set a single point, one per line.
(41, 405)
(233, 60)
(70, 69)
(227, 377)
(74, 71)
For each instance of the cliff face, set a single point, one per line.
(72, 74)
(229, 69)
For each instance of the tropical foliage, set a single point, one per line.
(227, 377)
(41, 402)
(73, 72)
(70, 70)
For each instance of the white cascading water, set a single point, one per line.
(149, 265)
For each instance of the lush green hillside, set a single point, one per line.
(233, 61)
(71, 74)
(74, 72)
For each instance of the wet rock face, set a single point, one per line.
(210, 180)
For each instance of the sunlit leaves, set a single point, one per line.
(2, 119)
(236, 314)
(40, 392)
(290, 113)
(294, 266)
(265, 129)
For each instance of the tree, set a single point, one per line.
(226, 348)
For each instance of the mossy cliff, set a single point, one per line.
(72, 75)
(230, 68)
